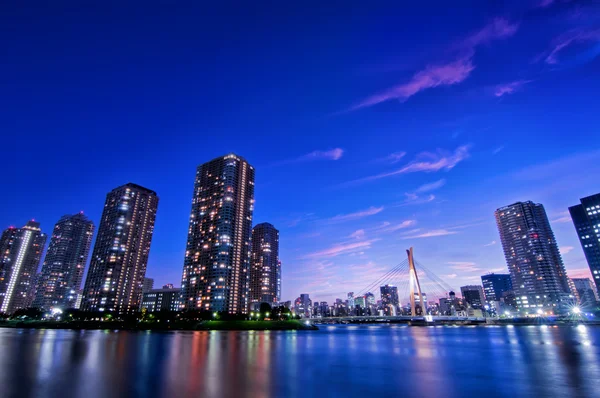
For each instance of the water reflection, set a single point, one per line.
(335, 361)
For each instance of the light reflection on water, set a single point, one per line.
(343, 361)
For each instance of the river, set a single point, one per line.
(336, 361)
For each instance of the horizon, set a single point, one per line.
(387, 136)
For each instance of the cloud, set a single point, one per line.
(464, 266)
(510, 88)
(449, 276)
(427, 162)
(332, 154)
(358, 234)
(562, 218)
(354, 216)
(431, 186)
(447, 73)
(579, 273)
(344, 248)
(492, 243)
(394, 158)
(431, 234)
(568, 39)
(498, 150)
(389, 227)
(566, 249)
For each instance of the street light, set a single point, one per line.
(577, 310)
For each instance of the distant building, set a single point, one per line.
(147, 285)
(494, 286)
(156, 300)
(389, 300)
(217, 258)
(586, 218)
(536, 268)
(360, 302)
(64, 264)
(588, 295)
(265, 268)
(303, 306)
(20, 254)
(168, 286)
(350, 303)
(473, 295)
(120, 256)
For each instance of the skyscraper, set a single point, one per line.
(118, 266)
(536, 268)
(147, 285)
(20, 254)
(265, 268)
(217, 258)
(586, 217)
(389, 300)
(588, 296)
(64, 264)
(495, 285)
(473, 295)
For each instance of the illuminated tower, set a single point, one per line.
(586, 218)
(265, 268)
(62, 271)
(217, 258)
(20, 254)
(118, 265)
(536, 268)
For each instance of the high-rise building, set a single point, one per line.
(389, 300)
(473, 295)
(588, 296)
(147, 285)
(217, 258)
(494, 286)
(120, 257)
(64, 264)
(586, 217)
(536, 268)
(20, 254)
(265, 268)
(156, 300)
(303, 305)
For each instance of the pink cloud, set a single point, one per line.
(510, 88)
(431, 234)
(394, 157)
(432, 76)
(360, 214)
(579, 273)
(499, 28)
(568, 39)
(389, 227)
(428, 162)
(358, 234)
(431, 186)
(566, 249)
(464, 266)
(345, 248)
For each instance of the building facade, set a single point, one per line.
(156, 300)
(586, 218)
(217, 258)
(120, 256)
(147, 285)
(20, 254)
(473, 295)
(533, 258)
(64, 264)
(265, 267)
(389, 300)
(586, 290)
(303, 306)
(495, 285)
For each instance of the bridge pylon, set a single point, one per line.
(414, 282)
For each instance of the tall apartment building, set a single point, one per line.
(118, 265)
(265, 268)
(586, 217)
(20, 254)
(64, 264)
(217, 258)
(533, 258)
(390, 300)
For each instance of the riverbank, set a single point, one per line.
(160, 326)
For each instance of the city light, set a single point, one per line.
(576, 310)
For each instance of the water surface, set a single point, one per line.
(336, 361)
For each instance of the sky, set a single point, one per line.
(373, 126)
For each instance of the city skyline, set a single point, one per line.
(358, 156)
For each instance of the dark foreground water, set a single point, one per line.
(337, 361)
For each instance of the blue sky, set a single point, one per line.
(373, 126)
